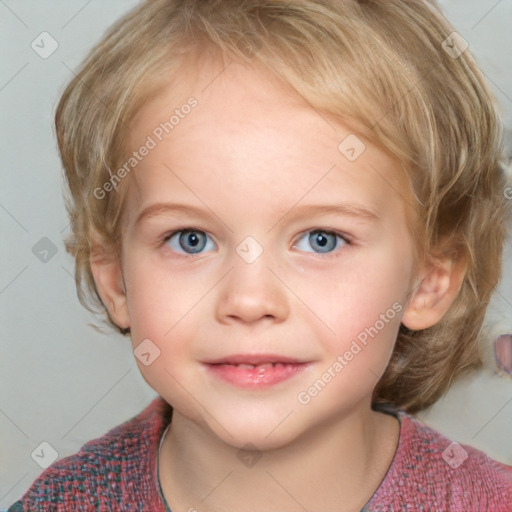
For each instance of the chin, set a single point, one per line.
(260, 429)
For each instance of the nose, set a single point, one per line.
(251, 292)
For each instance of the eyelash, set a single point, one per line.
(345, 240)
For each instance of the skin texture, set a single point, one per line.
(248, 157)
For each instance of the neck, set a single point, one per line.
(339, 463)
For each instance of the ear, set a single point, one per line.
(108, 276)
(440, 281)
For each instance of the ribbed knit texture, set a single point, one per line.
(117, 472)
(420, 480)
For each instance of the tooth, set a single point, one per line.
(246, 366)
(264, 367)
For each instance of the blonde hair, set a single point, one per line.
(385, 68)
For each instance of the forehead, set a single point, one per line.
(252, 134)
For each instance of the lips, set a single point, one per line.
(255, 371)
(254, 359)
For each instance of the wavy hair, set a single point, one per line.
(385, 68)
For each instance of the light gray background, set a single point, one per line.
(63, 382)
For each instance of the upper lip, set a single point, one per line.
(254, 359)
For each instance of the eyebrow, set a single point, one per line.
(160, 209)
(352, 210)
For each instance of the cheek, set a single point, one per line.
(362, 306)
(365, 319)
(157, 298)
(162, 327)
(156, 303)
(349, 301)
(162, 306)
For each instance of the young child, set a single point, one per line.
(335, 167)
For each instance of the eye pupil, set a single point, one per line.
(192, 241)
(323, 240)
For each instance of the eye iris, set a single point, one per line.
(322, 240)
(194, 239)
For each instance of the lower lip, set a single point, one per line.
(258, 377)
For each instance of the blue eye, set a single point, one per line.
(194, 241)
(191, 241)
(322, 241)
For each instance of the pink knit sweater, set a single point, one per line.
(117, 472)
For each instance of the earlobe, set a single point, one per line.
(108, 276)
(439, 284)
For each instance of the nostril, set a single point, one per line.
(503, 352)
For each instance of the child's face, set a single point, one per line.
(254, 168)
